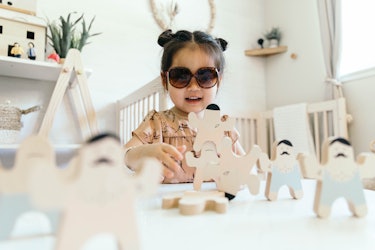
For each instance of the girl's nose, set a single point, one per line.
(193, 84)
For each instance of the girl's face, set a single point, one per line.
(192, 98)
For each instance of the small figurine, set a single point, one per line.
(260, 42)
(31, 51)
(283, 169)
(16, 50)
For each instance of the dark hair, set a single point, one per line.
(173, 42)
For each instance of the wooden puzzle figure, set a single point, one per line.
(100, 195)
(236, 171)
(207, 166)
(229, 171)
(33, 152)
(283, 169)
(196, 202)
(211, 127)
(340, 175)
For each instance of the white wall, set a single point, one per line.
(126, 56)
(301, 80)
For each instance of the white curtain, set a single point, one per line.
(330, 29)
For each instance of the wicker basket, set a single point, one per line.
(10, 122)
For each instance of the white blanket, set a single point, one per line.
(291, 123)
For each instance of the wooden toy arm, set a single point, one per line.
(264, 163)
(366, 164)
(310, 166)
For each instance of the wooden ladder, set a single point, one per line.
(72, 69)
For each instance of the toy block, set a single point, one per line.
(99, 195)
(282, 169)
(196, 202)
(339, 175)
(211, 127)
(34, 152)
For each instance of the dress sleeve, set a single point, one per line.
(149, 131)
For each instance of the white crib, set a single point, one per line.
(327, 118)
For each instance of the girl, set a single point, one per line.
(191, 71)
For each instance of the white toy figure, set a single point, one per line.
(339, 175)
(283, 169)
(211, 127)
(96, 195)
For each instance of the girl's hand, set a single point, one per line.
(167, 154)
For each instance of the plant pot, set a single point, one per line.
(273, 43)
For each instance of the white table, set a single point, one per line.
(251, 222)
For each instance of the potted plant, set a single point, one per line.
(64, 35)
(273, 36)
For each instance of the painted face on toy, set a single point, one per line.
(340, 151)
(106, 152)
(285, 148)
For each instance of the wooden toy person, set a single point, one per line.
(99, 196)
(339, 175)
(229, 171)
(211, 127)
(283, 169)
(33, 153)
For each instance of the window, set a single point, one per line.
(1, 29)
(358, 39)
(30, 35)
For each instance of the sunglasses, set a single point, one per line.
(180, 77)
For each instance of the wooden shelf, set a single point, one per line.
(29, 69)
(266, 51)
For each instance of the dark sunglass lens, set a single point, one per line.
(179, 77)
(207, 77)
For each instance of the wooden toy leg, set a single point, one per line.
(14, 205)
(296, 194)
(323, 211)
(358, 210)
(253, 184)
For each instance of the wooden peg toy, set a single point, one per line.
(339, 175)
(33, 153)
(211, 127)
(99, 195)
(196, 202)
(282, 169)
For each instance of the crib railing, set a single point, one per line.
(131, 110)
(328, 118)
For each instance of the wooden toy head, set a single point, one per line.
(338, 157)
(283, 149)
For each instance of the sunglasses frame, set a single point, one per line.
(191, 77)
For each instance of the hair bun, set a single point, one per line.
(165, 37)
(223, 44)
